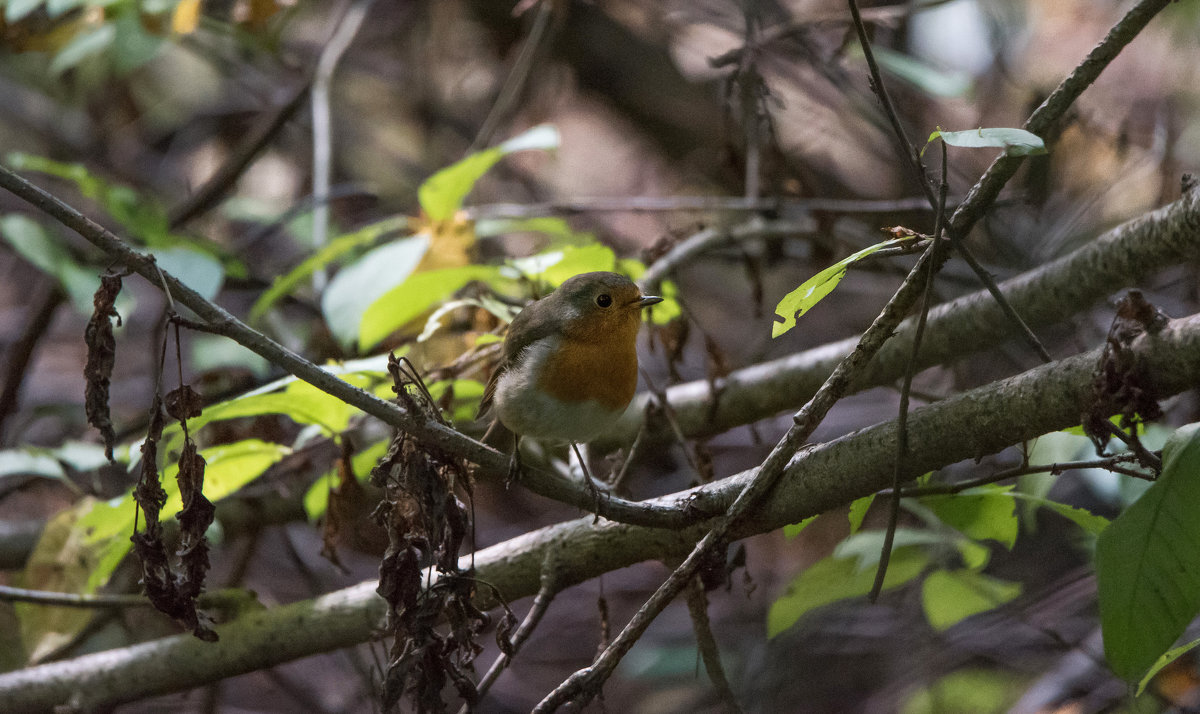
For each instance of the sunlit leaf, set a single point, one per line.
(107, 525)
(858, 511)
(406, 302)
(950, 596)
(1147, 570)
(1090, 523)
(186, 17)
(980, 513)
(1015, 142)
(356, 287)
(792, 530)
(285, 284)
(813, 290)
(442, 194)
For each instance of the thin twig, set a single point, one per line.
(331, 55)
(518, 77)
(1110, 463)
(706, 643)
(666, 204)
(219, 184)
(885, 554)
(750, 91)
(42, 308)
(913, 158)
(705, 240)
(550, 585)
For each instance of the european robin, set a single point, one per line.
(569, 365)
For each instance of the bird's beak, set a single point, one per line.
(648, 300)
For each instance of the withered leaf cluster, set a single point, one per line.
(433, 621)
(1117, 387)
(101, 357)
(174, 593)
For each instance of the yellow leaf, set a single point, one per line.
(186, 17)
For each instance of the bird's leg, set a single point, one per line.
(514, 462)
(587, 480)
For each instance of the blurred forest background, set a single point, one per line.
(660, 109)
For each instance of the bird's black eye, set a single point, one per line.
(604, 299)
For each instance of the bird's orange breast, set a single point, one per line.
(581, 370)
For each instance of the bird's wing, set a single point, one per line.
(531, 324)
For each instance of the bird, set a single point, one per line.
(569, 364)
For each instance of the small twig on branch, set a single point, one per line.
(1110, 463)
(709, 238)
(343, 34)
(549, 588)
(706, 643)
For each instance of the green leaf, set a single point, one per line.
(831, 579)
(1167, 658)
(82, 46)
(1015, 142)
(142, 215)
(354, 289)
(299, 401)
(442, 194)
(336, 248)
(16, 10)
(31, 241)
(813, 290)
(467, 393)
(197, 269)
(865, 547)
(950, 596)
(557, 229)
(404, 303)
(929, 79)
(1090, 523)
(316, 499)
(1147, 567)
(107, 525)
(980, 513)
(29, 462)
(977, 691)
(554, 267)
(858, 511)
(133, 45)
(792, 530)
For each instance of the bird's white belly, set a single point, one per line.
(530, 412)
